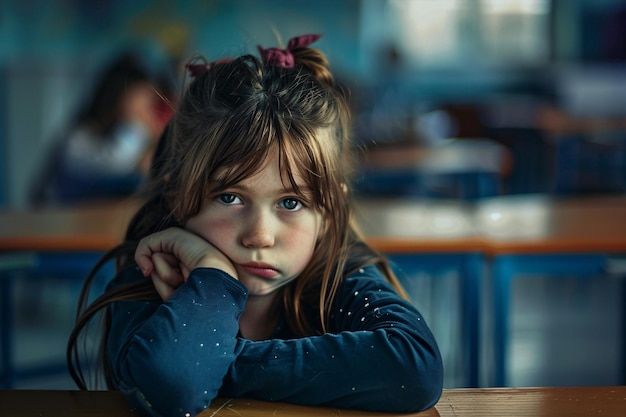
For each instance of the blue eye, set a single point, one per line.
(290, 204)
(228, 198)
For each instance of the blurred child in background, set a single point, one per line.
(107, 150)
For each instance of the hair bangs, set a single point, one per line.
(244, 148)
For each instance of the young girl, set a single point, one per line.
(242, 274)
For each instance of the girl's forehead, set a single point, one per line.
(272, 168)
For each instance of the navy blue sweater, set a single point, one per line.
(173, 358)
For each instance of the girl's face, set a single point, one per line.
(268, 231)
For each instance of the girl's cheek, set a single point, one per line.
(298, 236)
(219, 231)
(211, 228)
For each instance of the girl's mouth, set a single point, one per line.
(260, 269)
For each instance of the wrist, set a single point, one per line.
(224, 266)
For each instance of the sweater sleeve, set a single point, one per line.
(380, 356)
(170, 358)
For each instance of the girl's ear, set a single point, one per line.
(344, 187)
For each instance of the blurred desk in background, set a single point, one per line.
(464, 169)
(514, 235)
(561, 237)
(433, 236)
(62, 241)
(95, 226)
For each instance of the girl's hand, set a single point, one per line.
(170, 255)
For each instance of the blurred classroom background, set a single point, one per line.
(454, 100)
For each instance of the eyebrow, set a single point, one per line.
(219, 178)
(304, 189)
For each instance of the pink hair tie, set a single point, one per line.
(283, 57)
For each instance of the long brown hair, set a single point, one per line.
(232, 116)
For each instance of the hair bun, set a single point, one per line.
(315, 62)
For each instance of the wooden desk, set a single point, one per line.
(525, 224)
(494, 402)
(60, 403)
(65, 239)
(540, 224)
(495, 226)
(461, 168)
(538, 235)
(98, 226)
(433, 236)
(418, 226)
(527, 234)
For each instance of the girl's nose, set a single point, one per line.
(259, 231)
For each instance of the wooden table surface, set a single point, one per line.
(539, 224)
(475, 402)
(96, 226)
(418, 226)
(499, 225)
(60, 403)
(513, 224)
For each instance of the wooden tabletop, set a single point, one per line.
(539, 224)
(471, 402)
(475, 402)
(96, 226)
(533, 402)
(60, 403)
(409, 226)
(512, 224)
(499, 225)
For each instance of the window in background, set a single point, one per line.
(516, 31)
(457, 33)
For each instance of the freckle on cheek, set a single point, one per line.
(297, 237)
(221, 224)
(226, 228)
(217, 230)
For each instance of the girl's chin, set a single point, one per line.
(260, 288)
